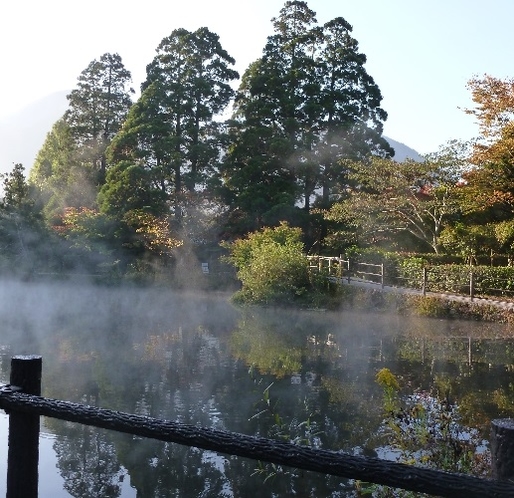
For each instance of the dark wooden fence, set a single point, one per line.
(22, 400)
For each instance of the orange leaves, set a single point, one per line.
(495, 103)
(494, 99)
(155, 231)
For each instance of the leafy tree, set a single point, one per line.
(392, 198)
(16, 188)
(98, 108)
(489, 193)
(129, 187)
(494, 99)
(23, 237)
(257, 185)
(311, 99)
(271, 265)
(171, 130)
(71, 164)
(469, 241)
(58, 175)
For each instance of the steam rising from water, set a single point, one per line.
(32, 312)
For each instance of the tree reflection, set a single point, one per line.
(271, 373)
(87, 461)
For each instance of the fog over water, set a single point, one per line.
(195, 358)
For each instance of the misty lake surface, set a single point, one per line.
(303, 376)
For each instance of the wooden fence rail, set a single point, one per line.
(24, 408)
(341, 269)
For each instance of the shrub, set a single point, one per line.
(271, 266)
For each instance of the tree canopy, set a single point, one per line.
(311, 100)
(194, 160)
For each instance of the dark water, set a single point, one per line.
(307, 377)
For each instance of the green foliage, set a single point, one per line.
(71, 164)
(171, 131)
(302, 429)
(58, 175)
(425, 429)
(391, 199)
(129, 187)
(389, 383)
(97, 109)
(307, 103)
(271, 266)
(470, 241)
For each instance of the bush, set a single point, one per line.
(271, 266)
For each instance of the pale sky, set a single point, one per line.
(421, 53)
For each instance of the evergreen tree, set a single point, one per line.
(71, 164)
(311, 99)
(171, 130)
(98, 107)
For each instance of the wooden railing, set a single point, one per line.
(340, 269)
(22, 400)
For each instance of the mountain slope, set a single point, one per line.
(22, 134)
(403, 152)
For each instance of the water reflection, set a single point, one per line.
(307, 377)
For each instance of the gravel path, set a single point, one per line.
(503, 304)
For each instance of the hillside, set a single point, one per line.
(403, 152)
(22, 134)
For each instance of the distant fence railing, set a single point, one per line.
(22, 401)
(468, 281)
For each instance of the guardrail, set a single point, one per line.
(22, 400)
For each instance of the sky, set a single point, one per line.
(421, 53)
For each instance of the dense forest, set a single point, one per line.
(206, 156)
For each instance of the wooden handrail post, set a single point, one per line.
(23, 453)
(502, 448)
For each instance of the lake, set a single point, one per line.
(302, 376)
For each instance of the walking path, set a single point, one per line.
(507, 305)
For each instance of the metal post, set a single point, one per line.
(348, 268)
(382, 276)
(425, 279)
(23, 453)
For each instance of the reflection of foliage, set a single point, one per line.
(270, 352)
(302, 428)
(87, 461)
(503, 399)
(164, 470)
(157, 346)
(422, 429)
